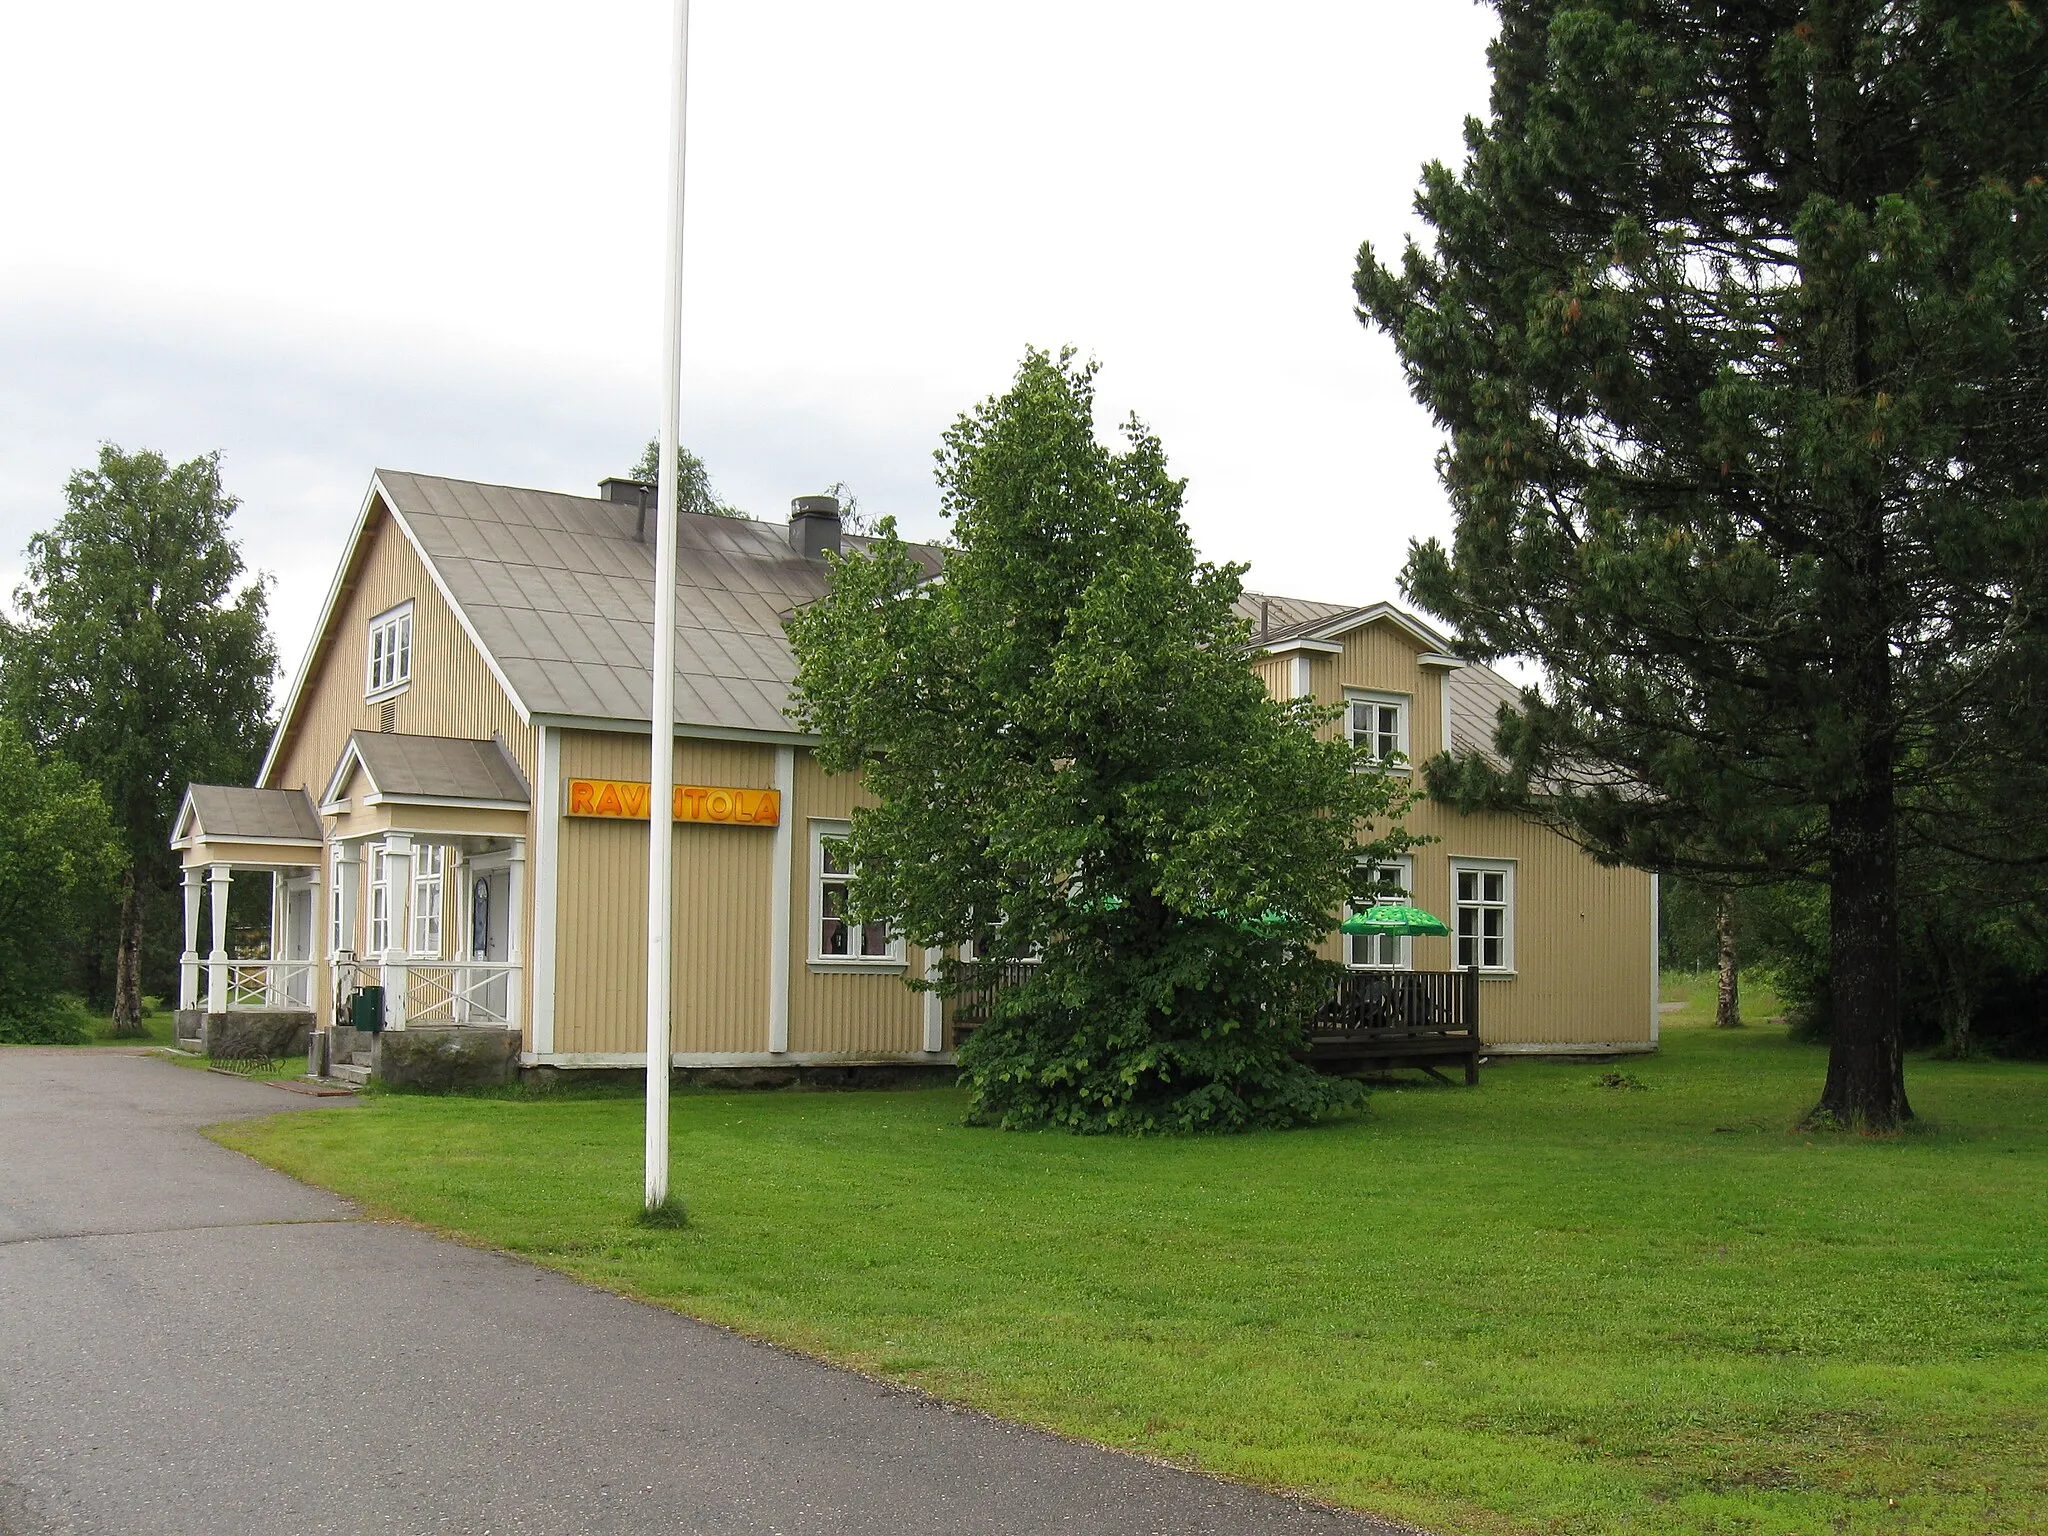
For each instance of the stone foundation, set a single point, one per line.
(246, 1036)
(798, 1075)
(445, 1060)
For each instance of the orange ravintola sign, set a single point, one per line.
(693, 802)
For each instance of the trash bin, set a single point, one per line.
(366, 1010)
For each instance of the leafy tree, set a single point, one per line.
(57, 853)
(1074, 761)
(691, 475)
(142, 655)
(1734, 318)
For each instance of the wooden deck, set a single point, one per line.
(1425, 1019)
(1377, 1019)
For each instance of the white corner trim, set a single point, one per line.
(782, 885)
(934, 1008)
(547, 839)
(1656, 956)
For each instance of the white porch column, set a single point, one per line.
(934, 1008)
(398, 903)
(346, 893)
(188, 959)
(515, 918)
(218, 877)
(273, 994)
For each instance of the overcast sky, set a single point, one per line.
(427, 235)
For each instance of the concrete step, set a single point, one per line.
(349, 1072)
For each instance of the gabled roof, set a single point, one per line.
(229, 813)
(1326, 621)
(441, 770)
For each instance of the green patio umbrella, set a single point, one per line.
(1395, 918)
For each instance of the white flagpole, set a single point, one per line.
(661, 759)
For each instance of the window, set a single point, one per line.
(337, 901)
(380, 899)
(1391, 882)
(1379, 725)
(1485, 894)
(390, 650)
(427, 867)
(835, 935)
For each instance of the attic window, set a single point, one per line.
(390, 656)
(1379, 726)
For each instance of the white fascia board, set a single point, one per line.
(181, 835)
(1320, 647)
(684, 729)
(1438, 659)
(452, 802)
(1358, 618)
(313, 646)
(350, 758)
(448, 597)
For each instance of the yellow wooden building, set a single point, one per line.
(453, 809)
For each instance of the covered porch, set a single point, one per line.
(222, 831)
(427, 849)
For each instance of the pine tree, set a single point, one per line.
(1735, 320)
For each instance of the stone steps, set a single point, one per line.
(350, 1072)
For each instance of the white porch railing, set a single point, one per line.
(461, 992)
(268, 984)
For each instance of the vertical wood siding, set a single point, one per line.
(720, 909)
(1581, 932)
(839, 1010)
(452, 692)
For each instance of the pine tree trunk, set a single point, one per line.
(128, 960)
(1866, 1086)
(1727, 1004)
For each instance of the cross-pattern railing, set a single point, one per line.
(269, 984)
(460, 992)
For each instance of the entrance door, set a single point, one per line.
(490, 899)
(298, 944)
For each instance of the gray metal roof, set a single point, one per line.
(441, 767)
(228, 813)
(561, 595)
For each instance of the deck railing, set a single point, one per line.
(1389, 1004)
(980, 982)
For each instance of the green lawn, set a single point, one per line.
(1541, 1305)
(158, 1023)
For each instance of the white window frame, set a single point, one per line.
(1403, 709)
(1480, 869)
(380, 899)
(823, 831)
(387, 653)
(429, 884)
(338, 893)
(1404, 945)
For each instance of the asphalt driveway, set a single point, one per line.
(192, 1343)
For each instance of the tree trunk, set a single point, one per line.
(1728, 1003)
(128, 960)
(1956, 1044)
(1866, 1086)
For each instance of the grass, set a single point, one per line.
(158, 1025)
(1539, 1306)
(1757, 998)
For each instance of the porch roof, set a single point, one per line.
(443, 770)
(230, 813)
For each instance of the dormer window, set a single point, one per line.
(1379, 726)
(390, 662)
